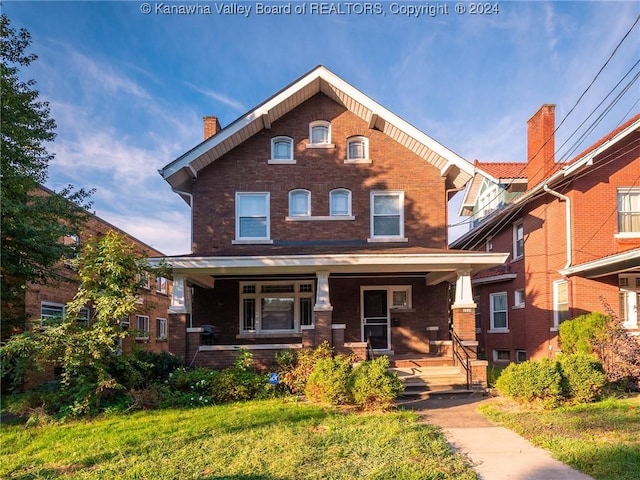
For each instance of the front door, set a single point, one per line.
(375, 319)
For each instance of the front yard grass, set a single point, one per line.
(265, 440)
(600, 439)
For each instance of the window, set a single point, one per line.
(142, 327)
(629, 210)
(560, 302)
(320, 133)
(499, 319)
(357, 150)
(521, 356)
(518, 241)
(252, 216)
(83, 317)
(162, 285)
(518, 301)
(489, 245)
(52, 313)
(476, 300)
(144, 280)
(501, 356)
(629, 300)
(400, 297)
(299, 203)
(387, 215)
(282, 150)
(161, 328)
(340, 202)
(276, 307)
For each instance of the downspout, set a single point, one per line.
(567, 219)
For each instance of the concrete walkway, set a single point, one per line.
(496, 453)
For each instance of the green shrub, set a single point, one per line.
(329, 381)
(193, 381)
(582, 334)
(532, 381)
(295, 366)
(241, 381)
(583, 378)
(373, 386)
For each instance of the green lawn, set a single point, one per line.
(600, 439)
(265, 440)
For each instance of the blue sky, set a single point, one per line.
(129, 90)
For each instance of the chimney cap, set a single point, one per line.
(544, 106)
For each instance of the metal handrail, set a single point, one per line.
(464, 361)
(370, 354)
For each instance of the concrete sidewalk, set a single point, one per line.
(496, 453)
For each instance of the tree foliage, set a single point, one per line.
(33, 220)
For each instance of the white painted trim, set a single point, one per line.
(195, 329)
(266, 346)
(271, 161)
(602, 262)
(320, 218)
(338, 326)
(387, 240)
(355, 344)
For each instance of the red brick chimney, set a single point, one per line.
(211, 126)
(541, 145)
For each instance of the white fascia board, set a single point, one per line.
(335, 263)
(494, 279)
(611, 260)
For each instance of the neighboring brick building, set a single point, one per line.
(319, 215)
(573, 238)
(149, 321)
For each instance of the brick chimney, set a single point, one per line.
(211, 126)
(541, 145)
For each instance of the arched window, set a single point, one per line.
(281, 149)
(358, 149)
(320, 133)
(340, 202)
(299, 203)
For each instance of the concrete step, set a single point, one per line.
(423, 381)
(405, 361)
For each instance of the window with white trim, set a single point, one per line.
(519, 297)
(252, 216)
(501, 356)
(560, 302)
(144, 280)
(518, 240)
(282, 150)
(53, 313)
(387, 215)
(521, 356)
(357, 150)
(499, 311)
(276, 307)
(476, 300)
(629, 300)
(299, 203)
(340, 202)
(161, 328)
(142, 327)
(400, 297)
(629, 210)
(320, 133)
(162, 285)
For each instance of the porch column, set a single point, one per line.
(181, 296)
(322, 310)
(464, 313)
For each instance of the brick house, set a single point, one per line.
(150, 320)
(572, 232)
(319, 216)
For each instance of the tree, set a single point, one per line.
(33, 222)
(110, 273)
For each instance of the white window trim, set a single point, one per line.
(399, 288)
(253, 240)
(160, 321)
(521, 303)
(83, 315)
(140, 332)
(336, 191)
(297, 294)
(365, 159)
(162, 285)
(517, 224)
(302, 191)
(326, 144)
(556, 284)
(283, 161)
(631, 291)
(492, 327)
(619, 192)
(386, 238)
(495, 355)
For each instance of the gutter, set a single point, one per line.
(546, 188)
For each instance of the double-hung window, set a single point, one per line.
(320, 134)
(282, 150)
(162, 285)
(299, 203)
(142, 327)
(560, 302)
(52, 313)
(518, 240)
(252, 216)
(357, 150)
(340, 202)
(161, 328)
(499, 311)
(629, 211)
(387, 216)
(275, 307)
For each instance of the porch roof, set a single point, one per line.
(623, 262)
(437, 264)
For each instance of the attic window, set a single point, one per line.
(282, 150)
(358, 150)
(320, 134)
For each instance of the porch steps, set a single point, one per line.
(422, 381)
(411, 361)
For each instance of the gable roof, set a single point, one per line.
(185, 168)
(503, 170)
(561, 173)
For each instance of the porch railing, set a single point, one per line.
(461, 355)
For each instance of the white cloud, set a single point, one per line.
(218, 97)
